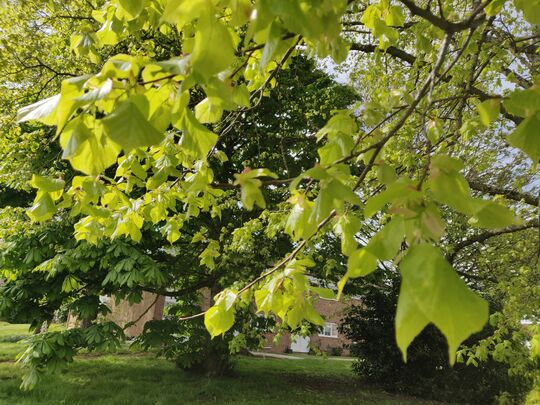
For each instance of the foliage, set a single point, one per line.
(153, 135)
(427, 372)
(189, 345)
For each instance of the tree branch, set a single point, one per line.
(510, 194)
(482, 237)
(396, 52)
(474, 20)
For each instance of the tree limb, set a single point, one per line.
(508, 193)
(474, 20)
(482, 237)
(396, 52)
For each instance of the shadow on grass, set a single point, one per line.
(143, 379)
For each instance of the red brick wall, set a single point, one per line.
(332, 311)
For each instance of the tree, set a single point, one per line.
(48, 279)
(447, 119)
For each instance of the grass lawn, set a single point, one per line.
(143, 379)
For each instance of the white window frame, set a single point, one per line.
(329, 330)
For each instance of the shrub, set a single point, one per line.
(189, 345)
(336, 351)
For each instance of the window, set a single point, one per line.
(329, 330)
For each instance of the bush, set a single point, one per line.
(189, 345)
(336, 351)
(427, 372)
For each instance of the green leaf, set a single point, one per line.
(263, 300)
(337, 147)
(227, 298)
(489, 110)
(342, 122)
(332, 195)
(527, 137)
(494, 7)
(295, 316)
(213, 50)
(449, 186)
(250, 186)
(98, 93)
(121, 66)
(43, 111)
(86, 146)
(47, 184)
(43, 208)
(431, 291)
(208, 112)
(250, 192)
(523, 103)
(395, 17)
(70, 284)
(531, 10)
(492, 216)
(399, 190)
(341, 285)
(132, 7)
(325, 293)
(361, 263)
(72, 89)
(300, 224)
(196, 138)
(271, 45)
(128, 125)
(218, 320)
(347, 226)
(184, 11)
(386, 173)
(387, 242)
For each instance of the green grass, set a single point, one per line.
(12, 339)
(144, 379)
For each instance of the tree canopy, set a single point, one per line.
(162, 114)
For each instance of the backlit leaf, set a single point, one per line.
(431, 291)
(128, 125)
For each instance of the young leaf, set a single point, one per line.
(128, 126)
(361, 263)
(271, 45)
(299, 224)
(208, 112)
(196, 138)
(531, 10)
(347, 226)
(492, 215)
(386, 243)
(213, 49)
(43, 208)
(218, 320)
(489, 110)
(86, 147)
(43, 111)
(132, 7)
(527, 138)
(46, 184)
(431, 291)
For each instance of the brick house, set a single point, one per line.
(328, 340)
